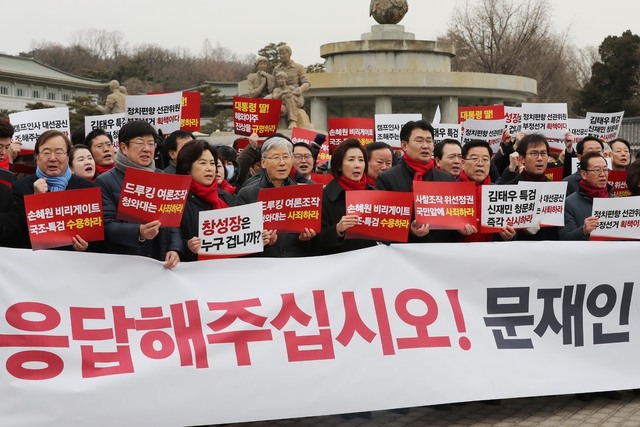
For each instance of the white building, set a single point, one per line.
(24, 80)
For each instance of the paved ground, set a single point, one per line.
(535, 411)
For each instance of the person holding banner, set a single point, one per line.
(476, 164)
(620, 154)
(137, 148)
(578, 219)
(277, 161)
(101, 146)
(81, 162)
(448, 156)
(416, 165)
(589, 144)
(198, 159)
(52, 174)
(349, 170)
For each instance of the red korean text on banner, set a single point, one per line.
(384, 215)
(190, 117)
(618, 180)
(303, 135)
(291, 209)
(149, 196)
(481, 112)
(341, 129)
(444, 205)
(554, 174)
(257, 115)
(54, 218)
(323, 154)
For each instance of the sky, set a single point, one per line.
(245, 26)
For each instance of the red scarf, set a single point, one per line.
(227, 187)
(5, 164)
(348, 185)
(418, 168)
(102, 169)
(292, 173)
(371, 181)
(536, 178)
(477, 237)
(208, 194)
(592, 191)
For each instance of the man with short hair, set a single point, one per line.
(137, 147)
(101, 146)
(172, 145)
(277, 161)
(588, 144)
(416, 140)
(533, 155)
(379, 159)
(303, 159)
(578, 221)
(448, 156)
(476, 166)
(8, 152)
(620, 154)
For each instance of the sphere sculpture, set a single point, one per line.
(388, 11)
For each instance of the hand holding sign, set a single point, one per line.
(149, 230)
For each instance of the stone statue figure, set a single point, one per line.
(296, 77)
(115, 101)
(388, 11)
(260, 84)
(292, 100)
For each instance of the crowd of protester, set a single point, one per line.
(222, 177)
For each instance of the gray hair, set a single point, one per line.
(276, 142)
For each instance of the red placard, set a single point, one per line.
(554, 174)
(291, 209)
(481, 112)
(445, 205)
(341, 129)
(303, 135)
(54, 218)
(257, 115)
(190, 116)
(323, 154)
(384, 215)
(618, 179)
(149, 196)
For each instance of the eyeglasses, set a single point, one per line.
(423, 140)
(598, 171)
(101, 145)
(279, 159)
(59, 154)
(537, 153)
(476, 159)
(141, 143)
(302, 156)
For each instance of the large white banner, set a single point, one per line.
(123, 341)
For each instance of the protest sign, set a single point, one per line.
(54, 218)
(486, 130)
(162, 111)
(388, 127)
(444, 205)
(149, 196)
(507, 205)
(344, 128)
(618, 218)
(384, 215)
(604, 125)
(257, 115)
(29, 125)
(110, 123)
(231, 232)
(291, 209)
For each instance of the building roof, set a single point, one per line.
(29, 68)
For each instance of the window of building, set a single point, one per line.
(66, 97)
(4, 90)
(19, 91)
(51, 96)
(36, 94)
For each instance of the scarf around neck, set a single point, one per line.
(102, 169)
(419, 169)
(208, 194)
(123, 162)
(55, 183)
(348, 185)
(593, 192)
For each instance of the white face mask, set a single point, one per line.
(230, 170)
